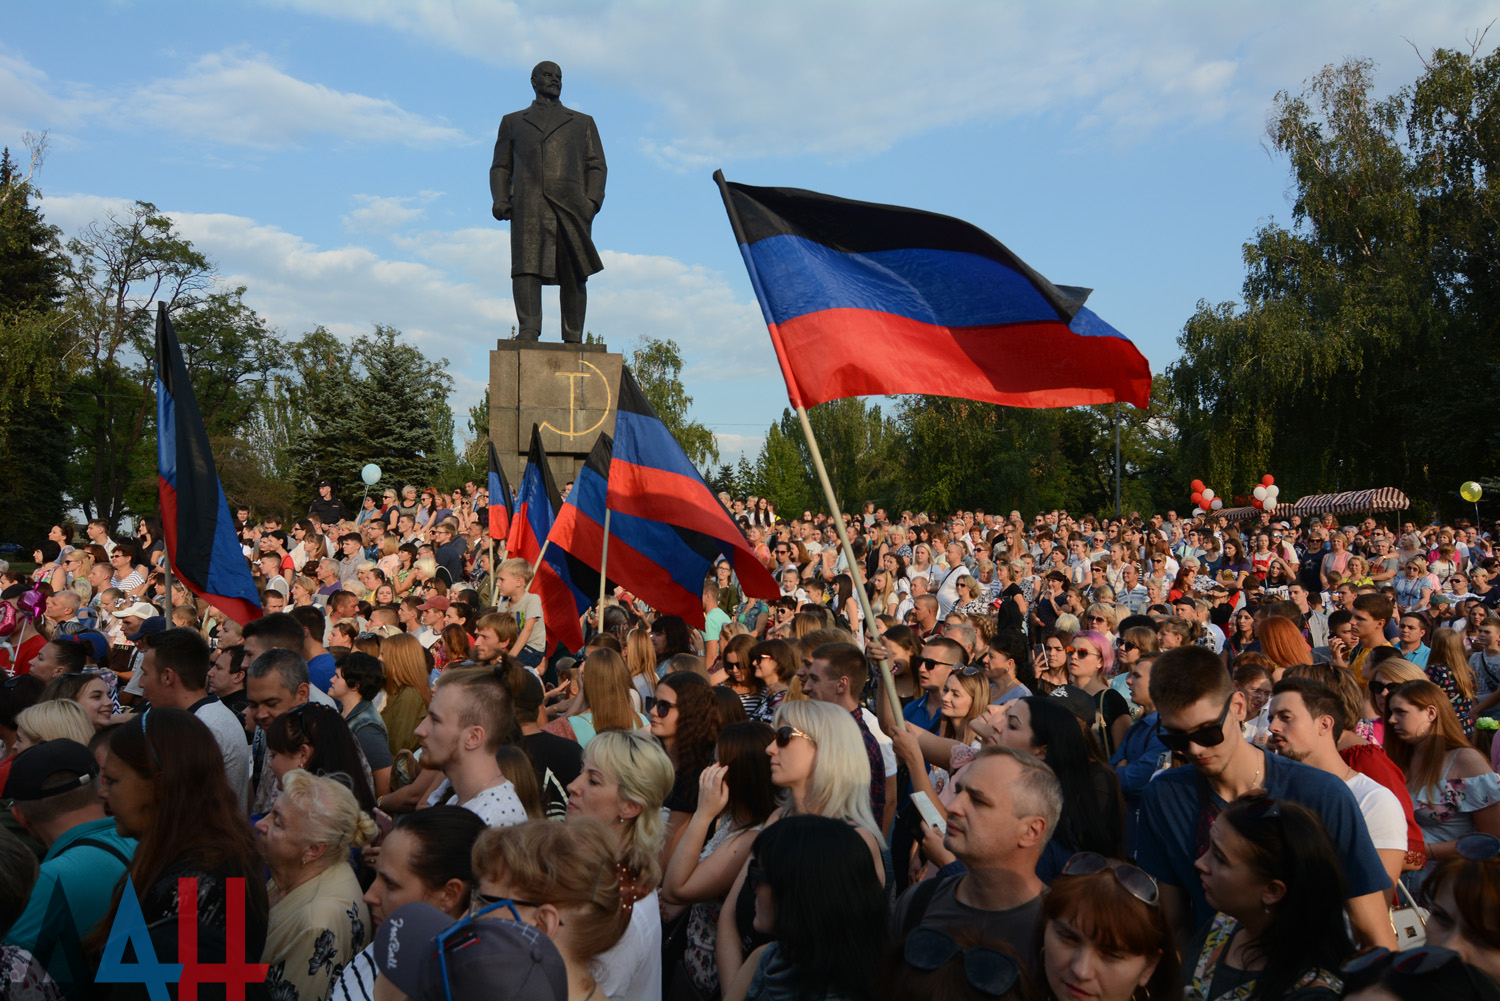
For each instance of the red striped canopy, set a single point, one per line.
(1351, 502)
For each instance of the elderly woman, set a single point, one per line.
(1414, 586)
(319, 920)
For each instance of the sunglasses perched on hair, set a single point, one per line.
(988, 971)
(785, 734)
(1211, 735)
(1137, 881)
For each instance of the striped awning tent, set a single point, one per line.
(1352, 502)
(1246, 513)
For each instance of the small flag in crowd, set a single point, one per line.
(651, 478)
(202, 545)
(662, 565)
(864, 299)
(501, 507)
(537, 502)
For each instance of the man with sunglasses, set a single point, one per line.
(1201, 715)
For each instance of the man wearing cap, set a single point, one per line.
(149, 624)
(55, 800)
(174, 674)
(327, 506)
(556, 760)
(432, 614)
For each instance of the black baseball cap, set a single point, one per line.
(324, 483)
(155, 624)
(1076, 701)
(50, 769)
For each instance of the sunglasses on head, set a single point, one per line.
(1211, 735)
(785, 734)
(1137, 881)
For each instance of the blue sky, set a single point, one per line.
(332, 155)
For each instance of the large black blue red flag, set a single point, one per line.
(864, 299)
(661, 564)
(537, 502)
(651, 478)
(501, 508)
(201, 542)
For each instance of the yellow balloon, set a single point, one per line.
(1471, 491)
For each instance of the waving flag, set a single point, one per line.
(662, 565)
(536, 509)
(501, 507)
(864, 299)
(652, 479)
(201, 542)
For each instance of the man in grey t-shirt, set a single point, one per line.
(1007, 807)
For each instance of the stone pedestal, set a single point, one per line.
(568, 390)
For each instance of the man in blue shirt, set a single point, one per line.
(1200, 714)
(55, 800)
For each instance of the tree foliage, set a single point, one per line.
(657, 365)
(1361, 354)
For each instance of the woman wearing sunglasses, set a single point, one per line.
(1104, 937)
(1271, 874)
(1384, 676)
(562, 880)
(625, 781)
(819, 762)
(685, 718)
(1091, 657)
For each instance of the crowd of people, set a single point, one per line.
(1078, 759)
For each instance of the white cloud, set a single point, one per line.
(451, 293)
(377, 214)
(843, 80)
(225, 97)
(246, 101)
(732, 446)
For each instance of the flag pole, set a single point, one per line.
(603, 566)
(166, 550)
(494, 576)
(540, 556)
(854, 572)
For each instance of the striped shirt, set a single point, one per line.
(357, 982)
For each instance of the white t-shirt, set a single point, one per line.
(1382, 812)
(631, 968)
(229, 734)
(497, 806)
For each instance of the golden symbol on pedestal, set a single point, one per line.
(573, 401)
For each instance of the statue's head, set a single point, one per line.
(546, 80)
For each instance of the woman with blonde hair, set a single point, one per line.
(58, 719)
(640, 658)
(407, 690)
(606, 703)
(1385, 677)
(966, 696)
(319, 920)
(1102, 618)
(818, 760)
(1448, 668)
(561, 879)
(625, 780)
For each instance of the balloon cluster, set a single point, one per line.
(1204, 499)
(1266, 493)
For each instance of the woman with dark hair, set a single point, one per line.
(846, 605)
(1463, 894)
(1104, 936)
(670, 636)
(1234, 560)
(406, 576)
(1278, 887)
(742, 677)
(821, 902)
(1093, 813)
(158, 771)
(457, 649)
(735, 796)
(685, 718)
(774, 663)
(316, 739)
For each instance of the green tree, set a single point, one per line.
(657, 366)
(1360, 355)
